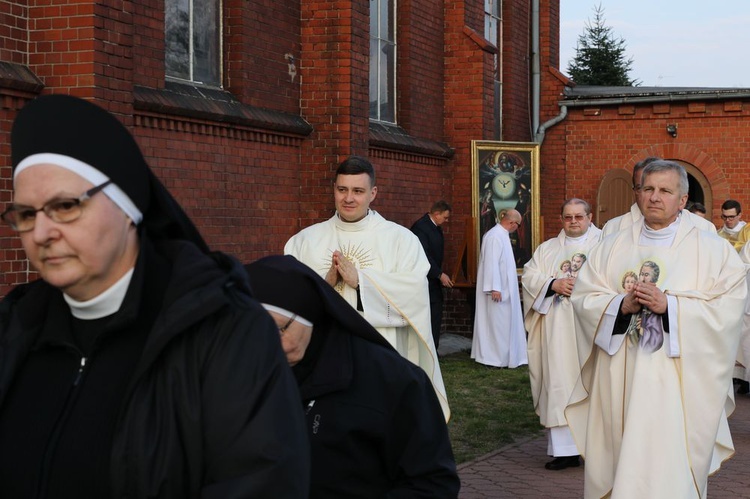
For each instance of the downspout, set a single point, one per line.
(535, 69)
(536, 87)
(539, 137)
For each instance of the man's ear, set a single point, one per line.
(374, 193)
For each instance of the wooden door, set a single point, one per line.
(615, 195)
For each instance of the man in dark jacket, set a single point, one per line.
(430, 234)
(138, 366)
(375, 424)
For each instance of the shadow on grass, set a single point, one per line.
(490, 407)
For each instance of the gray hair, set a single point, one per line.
(664, 165)
(586, 206)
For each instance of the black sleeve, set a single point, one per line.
(621, 322)
(424, 239)
(418, 450)
(255, 440)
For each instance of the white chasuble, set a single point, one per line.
(392, 268)
(743, 354)
(649, 409)
(553, 357)
(634, 215)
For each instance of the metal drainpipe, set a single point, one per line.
(536, 87)
(539, 137)
(535, 68)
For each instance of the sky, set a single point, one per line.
(673, 43)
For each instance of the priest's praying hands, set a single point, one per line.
(342, 269)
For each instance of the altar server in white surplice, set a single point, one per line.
(548, 315)
(378, 266)
(499, 337)
(649, 413)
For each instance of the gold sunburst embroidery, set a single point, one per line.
(357, 254)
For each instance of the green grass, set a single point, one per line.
(490, 407)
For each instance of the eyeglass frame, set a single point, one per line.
(729, 217)
(49, 211)
(282, 329)
(577, 218)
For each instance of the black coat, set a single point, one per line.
(433, 242)
(209, 408)
(375, 424)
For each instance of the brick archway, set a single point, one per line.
(701, 160)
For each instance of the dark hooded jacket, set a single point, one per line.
(375, 424)
(187, 381)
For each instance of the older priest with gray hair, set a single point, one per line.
(649, 412)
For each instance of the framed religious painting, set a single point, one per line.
(505, 176)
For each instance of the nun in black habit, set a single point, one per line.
(138, 365)
(375, 424)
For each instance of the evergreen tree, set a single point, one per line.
(600, 57)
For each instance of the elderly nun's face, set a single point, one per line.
(82, 258)
(295, 337)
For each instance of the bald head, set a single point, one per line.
(510, 220)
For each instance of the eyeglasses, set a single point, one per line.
(729, 217)
(23, 218)
(283, 328)
(570, 218)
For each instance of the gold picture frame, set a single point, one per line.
(505, 175)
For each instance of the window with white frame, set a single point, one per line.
(491, 20)
(383, 60)
(193, 41)
(492, 29)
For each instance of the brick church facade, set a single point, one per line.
(251, 155)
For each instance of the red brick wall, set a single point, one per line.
(14, 45)
(14, 268)
(262, 47)
(516, 66)
(420, 68)
(249, 188)
(238, 188)
(713, 136)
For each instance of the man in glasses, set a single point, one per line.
(735, 230)
(549, 319)
(137, 365)
(499, 337)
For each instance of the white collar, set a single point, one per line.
(106, 303)
(660, 237)
(737, 228)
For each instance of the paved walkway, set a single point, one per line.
(517, 470)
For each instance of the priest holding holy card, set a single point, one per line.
(649, 412)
